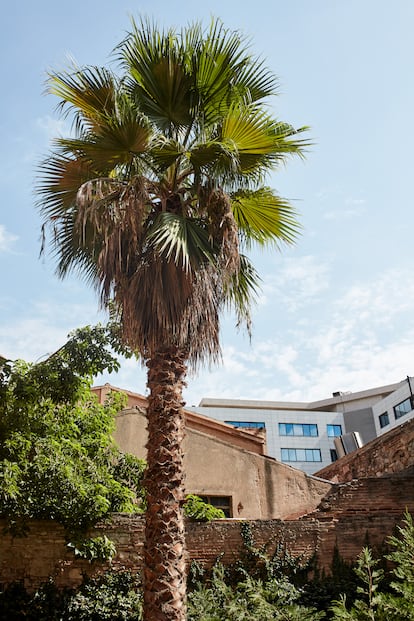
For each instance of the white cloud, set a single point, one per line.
(355, 201)
(365, 338)
(296, 282)
(42, 327)
(341, 208)
(6, 239)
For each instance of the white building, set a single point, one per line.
(303, 434)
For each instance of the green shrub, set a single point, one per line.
(94, 548)
(196, 509)
(47, 603)
(110, 597)
(249, 600)
(375, 602)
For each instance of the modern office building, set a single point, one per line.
(309, 436)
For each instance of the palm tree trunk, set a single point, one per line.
(164, 549)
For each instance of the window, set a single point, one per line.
(384, 420)
(298, 429)
(334, 431)
(402, 408)
(246, 424)
(334, 455)
(220, 502)
(289, 454)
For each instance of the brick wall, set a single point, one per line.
(44, 554)
(391, 452)
(352, 515)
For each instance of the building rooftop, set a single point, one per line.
(329, 403)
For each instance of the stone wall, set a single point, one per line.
(355, 513)
(391, 452)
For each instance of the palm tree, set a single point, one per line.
(155, 200)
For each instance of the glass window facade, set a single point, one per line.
(334, 431)
(402, 408)
(292, 454)
(246, 424)
(334, 455)
(298, 429)
(384, 420)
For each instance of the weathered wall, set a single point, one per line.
(354, 513)
(218, 468)
(391, 452)
(44, 554)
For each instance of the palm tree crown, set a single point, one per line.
(161, 191)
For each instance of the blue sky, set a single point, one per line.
(337, 311)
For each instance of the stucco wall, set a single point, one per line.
(259, 487)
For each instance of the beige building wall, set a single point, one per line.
(259, 487)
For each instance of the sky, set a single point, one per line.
(336, 312)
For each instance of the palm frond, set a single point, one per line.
(261, 141)
(264, 217)
(164, 304)
(214, 158)
(241, 292)
(226, 73)
(73, 255)
(57, 187)
(183, 240)
(87, 93)
(158, 80)
(167, 152)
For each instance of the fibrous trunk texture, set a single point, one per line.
(164, 550)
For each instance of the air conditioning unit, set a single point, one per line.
(347, 443)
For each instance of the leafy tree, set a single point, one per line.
(377, 603)
(57, 456)
(155, 200)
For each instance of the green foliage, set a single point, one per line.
(376, 603)
(258, 563)
(196, 509)
(94, 548)
(108, 597)
(324, 588)
(64, 374)
(368, 606)
(57, 457)
(258, 585)
(251, 599)
(47, 603)
(402, 600)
